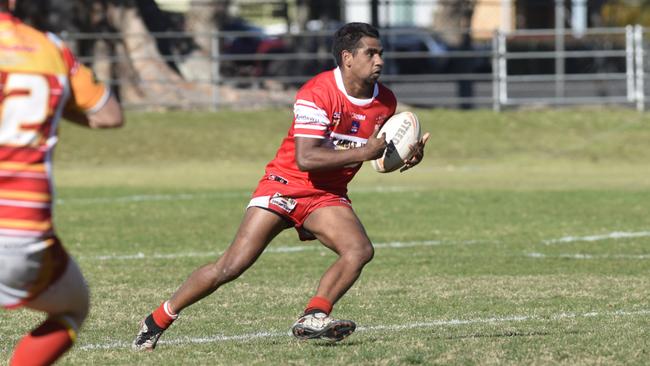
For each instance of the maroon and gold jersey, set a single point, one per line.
(39, 78)
(324, 110)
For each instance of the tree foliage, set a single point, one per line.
(623, 12)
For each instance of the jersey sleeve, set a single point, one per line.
(310, 115)
(87, 93)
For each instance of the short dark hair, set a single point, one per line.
(348, 36)
(34, 12)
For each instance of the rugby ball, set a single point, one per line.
(402, 131)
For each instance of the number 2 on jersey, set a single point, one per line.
(24, 108)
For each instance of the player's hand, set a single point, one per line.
(375, 145)
(418, 153)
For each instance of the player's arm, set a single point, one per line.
(91, 103)
(107, 116)
(311, 155)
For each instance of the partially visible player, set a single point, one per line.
(337, 116)
(40, 81)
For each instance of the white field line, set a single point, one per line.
(396, 245)
(149, 198)
(199, 196)
(612, 235)
(376, 328)
(588, 256)
(281, 249)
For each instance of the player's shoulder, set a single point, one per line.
(320, 83)
(385, 95)
(319, 90)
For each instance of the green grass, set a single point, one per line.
(480, 283)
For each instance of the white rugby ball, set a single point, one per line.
(402, 131)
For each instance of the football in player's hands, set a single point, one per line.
(402, 131)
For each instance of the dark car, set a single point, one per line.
(240, 38)
(413, 51)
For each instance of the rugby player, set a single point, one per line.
(40, 81)
(337, 116)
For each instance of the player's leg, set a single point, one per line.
(66, 302)
(338, 228)
(256, 231)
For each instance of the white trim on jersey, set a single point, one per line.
(356, 101)
(29, 204)
(310, 115)
(101, 102)
(33, 175)
(309, 136)
(24, 233)
(307, 103)
(310, 127)
(55, 39)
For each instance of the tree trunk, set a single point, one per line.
(146, 77)
(453, 19)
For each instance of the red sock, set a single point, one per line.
(163, 315)
(44, 345)
(319, 303)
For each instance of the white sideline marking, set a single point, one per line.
(375, 328)
(612, 235)
(588, 256)
(281, 249)
(149, 198)
(196, 196)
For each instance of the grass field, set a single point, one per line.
(523, 238)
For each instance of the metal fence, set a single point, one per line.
(249, 69)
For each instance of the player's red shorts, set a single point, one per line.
(292, 202)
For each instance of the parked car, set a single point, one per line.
(242, 38)
(414, 51)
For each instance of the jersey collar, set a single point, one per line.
(356, 101)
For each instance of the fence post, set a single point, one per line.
(629, 63)
(640, 73)
(503, 69)
(496, 106)
(215, 74)
(559, 49)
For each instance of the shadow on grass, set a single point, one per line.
(345, 343)
(506, 334)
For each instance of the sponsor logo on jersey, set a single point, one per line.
(277, 178)
(360, 117)
(336, 119)
(285, 203)
(355, 127)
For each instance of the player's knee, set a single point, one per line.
(228, 271)
(368, 252)
(360, 255)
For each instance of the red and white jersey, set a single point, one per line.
(39, 77)
(324, 110)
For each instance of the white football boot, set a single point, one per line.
(321, 326)
(148, 335)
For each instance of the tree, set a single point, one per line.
(621, 13)
(453, 19)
